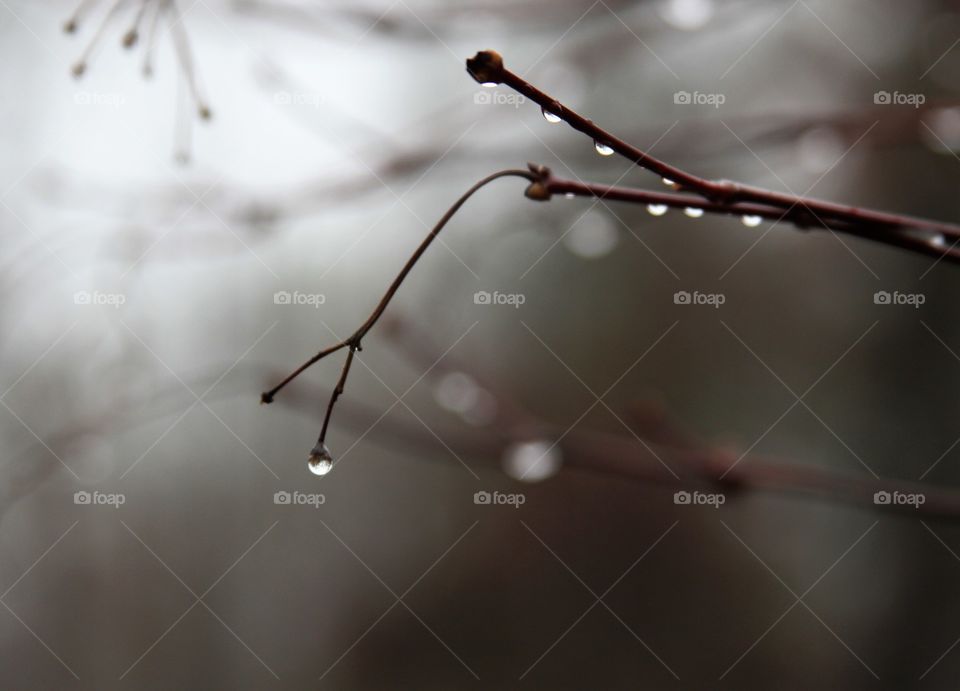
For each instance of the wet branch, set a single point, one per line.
(929, 237)
(353, 342)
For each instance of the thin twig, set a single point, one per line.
(353, 342)
(920, 242)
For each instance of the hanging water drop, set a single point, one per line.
(488, 85)
(320, 462)
(938, 240)
(552, 118)
(603, 149)
(751, 221)
(669, 183)
(693, 212)
(657, 209)
(569, 195)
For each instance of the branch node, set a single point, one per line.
(539, 187)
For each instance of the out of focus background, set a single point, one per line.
(159, 529)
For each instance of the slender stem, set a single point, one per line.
(923, 243)
(338, 389)
(391, 291)
(267, 396)
(353, 342)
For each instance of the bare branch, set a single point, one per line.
(723, 196)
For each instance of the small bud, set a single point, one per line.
(538, 169)
(486, 67)
(537, 191)
(78, 69)
(70, 26)
(130, 38)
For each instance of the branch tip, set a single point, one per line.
(486, 67)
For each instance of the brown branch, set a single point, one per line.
(932, 245)
(353, 342)
(922, 235)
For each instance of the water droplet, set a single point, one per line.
(603, 149)
(569, 195)
(320, 462)
(938, 240)
(751, 221)
(456, 392)
(669, 183)
(657, 209)
(687, 15)
(532, 461)
(488, 85)
(693, 212)
(593, 236)
(550, 117)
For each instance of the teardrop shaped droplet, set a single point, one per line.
(488, 85)
(603, 149)
(550, 117)
(751, 221)
(569, 195)
(669, 183)
(657, 209)
(320, 462)
(693, 212)
(938, 240)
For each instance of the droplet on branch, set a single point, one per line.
(320, 462)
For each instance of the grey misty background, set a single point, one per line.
(302, 196)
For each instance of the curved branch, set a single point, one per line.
(353, 342)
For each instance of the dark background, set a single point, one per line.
(340, 133)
